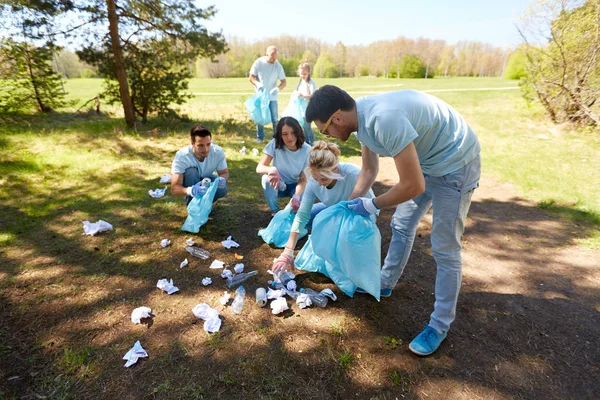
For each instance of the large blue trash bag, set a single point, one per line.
(278, 231)
(297, 109)
(351, 246)
(258, 107)
(199, 209)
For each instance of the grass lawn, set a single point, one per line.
(66, 299)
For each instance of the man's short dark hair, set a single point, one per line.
(199, 130)
(327, 100)
(295, 125)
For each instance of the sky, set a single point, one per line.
(356, 22)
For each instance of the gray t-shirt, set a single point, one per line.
(268, 74)
(185, 159)
(290, 164)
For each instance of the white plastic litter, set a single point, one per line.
(206, 281)
(226, 274)
(217, 264)
(158, 193)
(165, 178)
(279, 305)
(167, 286)
(329, 293)
(239, 268)
(303, 300)
(243, 150)
(275, 294)
(165, 242)
(139, 313)
(190, 242)
(135, 353)
(255, 152)
(212, 322)
(225, 298)
(229, 243)
(291, 286)
(261, 297)
(184, 263)
(92, 228)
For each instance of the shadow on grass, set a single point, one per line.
(64, 294)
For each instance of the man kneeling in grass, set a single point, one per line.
(197, 161)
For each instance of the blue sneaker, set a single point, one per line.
(382, 292)
(427, 342)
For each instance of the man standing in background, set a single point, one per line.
(264, 74)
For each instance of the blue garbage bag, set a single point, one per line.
(350, 244)
(199, 209)
(297, 109)
(258, 107)
(278, 231)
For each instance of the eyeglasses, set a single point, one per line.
(328, 122)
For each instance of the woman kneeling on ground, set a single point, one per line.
(331, 182)
(289, 154)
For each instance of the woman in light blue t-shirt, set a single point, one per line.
(331, 182)
(289, 154)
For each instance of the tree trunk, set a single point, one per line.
(113, 20)
(32, 78)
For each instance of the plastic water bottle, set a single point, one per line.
(239, 278)
(197, 252)
(316, 297)
(238, 301)
(206, 182)
(282, 186)
(284, 277)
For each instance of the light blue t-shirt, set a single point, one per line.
(340, 192)
(388, 122)
(268, 74)
(185, 159)
(290, 164)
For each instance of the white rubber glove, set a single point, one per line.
(274, 91)
(258, 85)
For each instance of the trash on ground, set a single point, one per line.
(217, 264)
(165, 178)
(167, 286)
(158, 193)
(197, 252)
(190, 242)
(165, 242)
(140, 313)
(239, 278)
(212, 322)
(315, 297)
(243, 150)
(303, 300)
(226, 274)
(184, 263)
(261, 297)
(229, 243)
(135, 353)
(238, 257)
(329, 293)
(206, 281)
(92, 228)
(255, 151)
(238, 268)
(225, 298)
(238, 300)
(275, 294)
(279, 305)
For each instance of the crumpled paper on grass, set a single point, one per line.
(279, 305)
(225, 298)
(238, 268)
(226, 274)
(184, 263)
(165, 178)
(135, 353)
(255, 152)
(217, 264)
(229, 243)
(167, 286)
(212, 322)
(190, 242)
(165, 242)
(275, 294)
(139, 313)
(243, 150)
(158, 193)
(92, 228)
(206, 281)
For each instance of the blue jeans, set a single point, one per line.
(260, 129)
(272, 194)
(191, 176)
(316, 208)
(450, 196)
(309, 134)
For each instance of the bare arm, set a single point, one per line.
(282, 84)
(253, 79)
(368, 173)
(412, 182)
(177, 185)
(224, 173)
(301, 184)
(264, 165)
